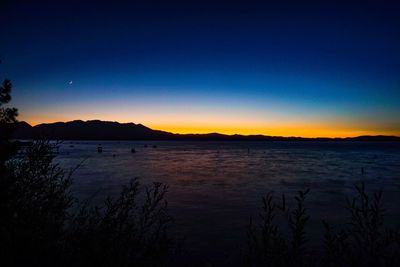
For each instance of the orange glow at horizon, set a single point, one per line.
(230, 127)
(284, 131)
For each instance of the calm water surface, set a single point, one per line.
(214, 187)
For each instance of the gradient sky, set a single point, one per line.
(323, 68)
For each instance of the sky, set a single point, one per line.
(321, 68)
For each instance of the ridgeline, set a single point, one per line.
(106, 130)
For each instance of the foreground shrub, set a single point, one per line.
(35, 198)
(269, 244)
(366, 241)
(123, 232)
(282, 242)
(41, 224)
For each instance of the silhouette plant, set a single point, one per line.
(364, 242)
(8, 118)
(34, 199)
(268, 245)
(7, 115)
(123, 231)
(42, 224)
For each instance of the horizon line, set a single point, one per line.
(215, 132)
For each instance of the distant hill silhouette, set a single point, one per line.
(106, 130)
(89, 130)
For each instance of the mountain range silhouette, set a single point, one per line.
(107, 130)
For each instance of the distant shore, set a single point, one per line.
(105, 130)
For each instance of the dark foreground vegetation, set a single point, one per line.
(43, 224)
(364, 241)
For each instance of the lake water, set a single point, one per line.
(215, 187)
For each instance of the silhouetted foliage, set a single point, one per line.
(42, 226)
(7, 115)
(268, 244)
(8, 118)
(365, 242)
(34, 200)
(124, 231)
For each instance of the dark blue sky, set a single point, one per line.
(249, 67)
